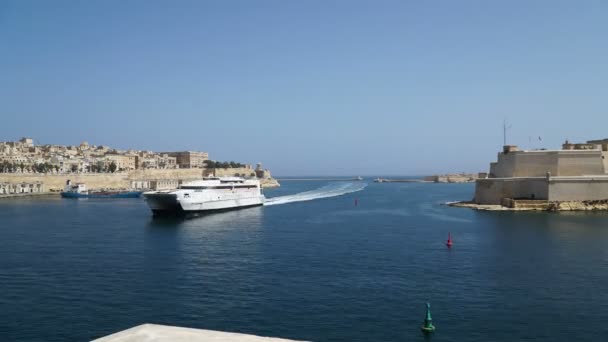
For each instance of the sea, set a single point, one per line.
(325, 261)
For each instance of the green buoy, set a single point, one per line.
(428, 326)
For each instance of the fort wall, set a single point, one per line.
(493, 190)
(578, 189)
(118, 180)
(558, 163)
(564, 188)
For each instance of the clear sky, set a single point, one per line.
(307, 87)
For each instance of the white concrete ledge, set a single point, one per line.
(165, 333)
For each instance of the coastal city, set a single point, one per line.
(24, 156)
(27, 168)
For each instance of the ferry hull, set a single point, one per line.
(181, 212)
(169, 204)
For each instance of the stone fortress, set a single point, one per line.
(577, 172)
(26, 168)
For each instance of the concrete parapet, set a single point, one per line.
(165, 333)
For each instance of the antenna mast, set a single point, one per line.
(504, 131)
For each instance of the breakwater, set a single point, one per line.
(385, 180)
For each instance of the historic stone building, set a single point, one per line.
(7, 188)
(577, 172)
(189, 159)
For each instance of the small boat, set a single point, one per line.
(358, 178)
(79, 190)
(378, 180)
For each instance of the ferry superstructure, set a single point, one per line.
(206, 195)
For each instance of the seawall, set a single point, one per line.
(118, 180)
(127, 180)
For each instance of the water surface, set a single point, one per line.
(320, 270)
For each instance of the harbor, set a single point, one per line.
(303, 171)
(305, 262)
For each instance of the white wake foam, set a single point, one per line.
(329, 190)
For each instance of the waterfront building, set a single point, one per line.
(140, 185)
(7, 188)
(164, 184)
(189, 159)
(122, 162)
(577, 172)
(166, 161)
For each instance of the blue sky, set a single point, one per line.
(307, 87)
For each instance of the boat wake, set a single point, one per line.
(329, 190)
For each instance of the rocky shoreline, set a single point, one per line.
(527, 205)
(266, 183)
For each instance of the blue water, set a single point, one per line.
(318, 270)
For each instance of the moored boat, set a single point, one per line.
(79, 190)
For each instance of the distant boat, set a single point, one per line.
(358, 178)
(79, 190)
(379, 180)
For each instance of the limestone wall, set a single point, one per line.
(126, 180)
(578, 189)
(525, 164)
(578, 163)
(231, 172)
(605, 161)
(118, 180)
(266, 181)
(558, 163)
(492, 191)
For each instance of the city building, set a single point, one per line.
(21, 188)
(189, 159)
(122, 162)
(24, 157)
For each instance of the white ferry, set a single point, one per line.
(208, 194)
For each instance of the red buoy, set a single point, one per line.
(449, 242)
